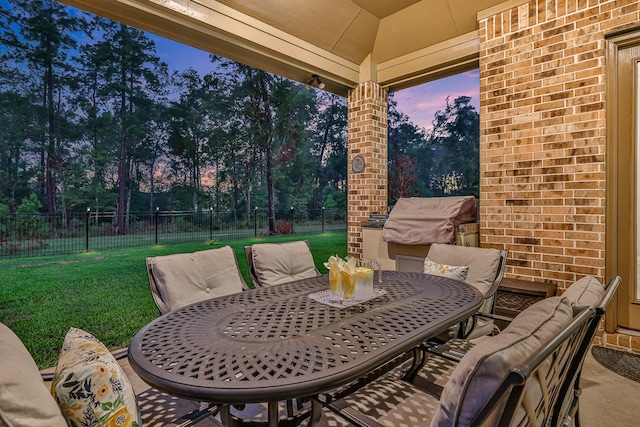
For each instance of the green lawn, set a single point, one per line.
(105, 293)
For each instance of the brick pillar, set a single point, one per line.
(368, 139)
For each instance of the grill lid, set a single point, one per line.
(422, 221)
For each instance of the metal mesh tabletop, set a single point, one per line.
(276, 343)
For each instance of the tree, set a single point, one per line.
(16, 121)
(329, 144)
(85, 121)
(41, 39)
(194, 123)
(155, 143)
(272, 115)
(402, 174)
(456, 136)
(293, 169)
(260, 114)
(96, 122)
(130, 71)
(406, 144)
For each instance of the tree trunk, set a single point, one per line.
(128, 208)
(51, 160)
(96, 211)
(270, 187)
(63, 203)
(194, 186)
(122, 167)
(152, 187)
(316, 187)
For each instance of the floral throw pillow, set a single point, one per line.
(458, 272)
(90, 387)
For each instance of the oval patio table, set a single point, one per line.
(277, 343)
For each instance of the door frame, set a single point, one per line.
(614, 44)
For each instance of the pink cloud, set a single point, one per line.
(420, 103)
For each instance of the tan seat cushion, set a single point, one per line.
(276, 263)
(483, 263)
(585, 292)
(183, 279)
(482, 369)
(24, 398)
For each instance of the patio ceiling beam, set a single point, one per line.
(441, 60)
(216, 28)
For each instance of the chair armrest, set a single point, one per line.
(495, 316)
(453, 354)
(474, 320)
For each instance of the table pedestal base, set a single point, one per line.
(270, 419)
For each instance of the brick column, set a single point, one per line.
(367, 138)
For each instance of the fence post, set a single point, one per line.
(86, 230)
(255, 222)
(155, 219)
(210, 223)
(323, 219)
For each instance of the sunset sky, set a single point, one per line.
(420, 103)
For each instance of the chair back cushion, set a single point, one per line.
(181, 279)
(90, 386)
(480, 372)
(585, 292)
(24, 398)
(483, 263)
(276, 263)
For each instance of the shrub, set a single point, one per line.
(284, 227)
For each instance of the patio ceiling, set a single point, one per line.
(398, 43)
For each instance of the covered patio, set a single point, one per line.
(360, 49)
(548, 103)
(543, 145)
(607, 398)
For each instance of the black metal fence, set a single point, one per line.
(23, 235)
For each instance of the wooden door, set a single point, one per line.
(623, 177)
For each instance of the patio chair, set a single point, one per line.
(275, 263)
(181, 279)
(585, 292)
(513, 378)
(582, 294)
(83, 393)
(482, 268)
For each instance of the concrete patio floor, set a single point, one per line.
(607, 400)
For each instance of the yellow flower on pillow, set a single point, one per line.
(102, 391)
(102, 371)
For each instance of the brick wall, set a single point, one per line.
(542, 144)
(623, 342)
(367, 131)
